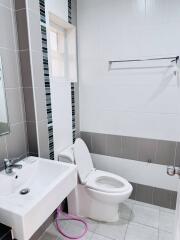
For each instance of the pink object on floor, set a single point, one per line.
(69, 217)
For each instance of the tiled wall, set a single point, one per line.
(15, 143)
(157, 196)
(131, 103)
(29, 36)
(140, 149)
(131, 149)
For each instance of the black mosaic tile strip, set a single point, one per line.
(72, 84)
(46, 77)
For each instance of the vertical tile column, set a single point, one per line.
(29, 34)
(72, 18)
(46, 77)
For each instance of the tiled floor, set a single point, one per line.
(138, 221)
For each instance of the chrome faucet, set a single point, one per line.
(9, 165)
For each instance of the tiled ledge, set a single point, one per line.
(139, 149)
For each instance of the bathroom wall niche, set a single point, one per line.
(4, 121)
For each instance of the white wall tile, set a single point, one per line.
(122, 100)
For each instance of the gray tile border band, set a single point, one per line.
(140, 149)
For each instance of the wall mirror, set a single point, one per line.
(4, 122)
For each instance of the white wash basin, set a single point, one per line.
(49, 183)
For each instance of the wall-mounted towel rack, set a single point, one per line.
(146, 63)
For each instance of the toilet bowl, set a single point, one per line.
(98, 193)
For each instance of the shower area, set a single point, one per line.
(130, 92)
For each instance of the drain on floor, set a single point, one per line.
(24, 191)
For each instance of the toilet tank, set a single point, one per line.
(67, 155)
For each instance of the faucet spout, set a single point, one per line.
(9, 165)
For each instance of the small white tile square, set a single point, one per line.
(146, 205)
(140, 232)
(98, 237)
(166, 221)
(165, 235)
(114, 231)
(92, 224)
(125, 210)
(145, 215)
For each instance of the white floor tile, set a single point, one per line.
(166, 221)
(125, 210)
(115, 231)
(48, 236)
(92, 225)
(140, 232)
(145, 215)
(70, 228)
(167, 210)
(146, 205)
(165, 235)
(98, 237)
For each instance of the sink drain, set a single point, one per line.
(24, 191)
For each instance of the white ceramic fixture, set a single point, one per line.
(99, 193)
(48, 182)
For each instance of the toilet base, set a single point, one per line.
(82, 204)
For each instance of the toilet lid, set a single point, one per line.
(83, 159)
(107, 182)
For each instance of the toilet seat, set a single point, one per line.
(107, 182)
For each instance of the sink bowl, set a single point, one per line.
(47, 183)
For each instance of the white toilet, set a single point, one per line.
(98, 193)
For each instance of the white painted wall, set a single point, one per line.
(60, 91)
(119, 102)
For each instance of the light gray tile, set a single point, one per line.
(125, 210)
(165, 235)
(25, 68)
(130, 148)
(177, 159)
(162, 197)
(98, 237)
(21, 20)
(40, 102)
(115, 231)
(87, 139)
(99, 143)
(145, 215)
(48, 236)
(15, 105)
(16, 141)
(43, 139)
(10, 68)
(144, 193)
(165, 152)
(146, 150)
(37, 69)
(32, 137)
(92, 224)
(29, 104)
(6, 3)
(19, 4)
(6, 26)
(33, 5)
(34, 30)
(166, 221)
(114, 145)
(140, 232)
